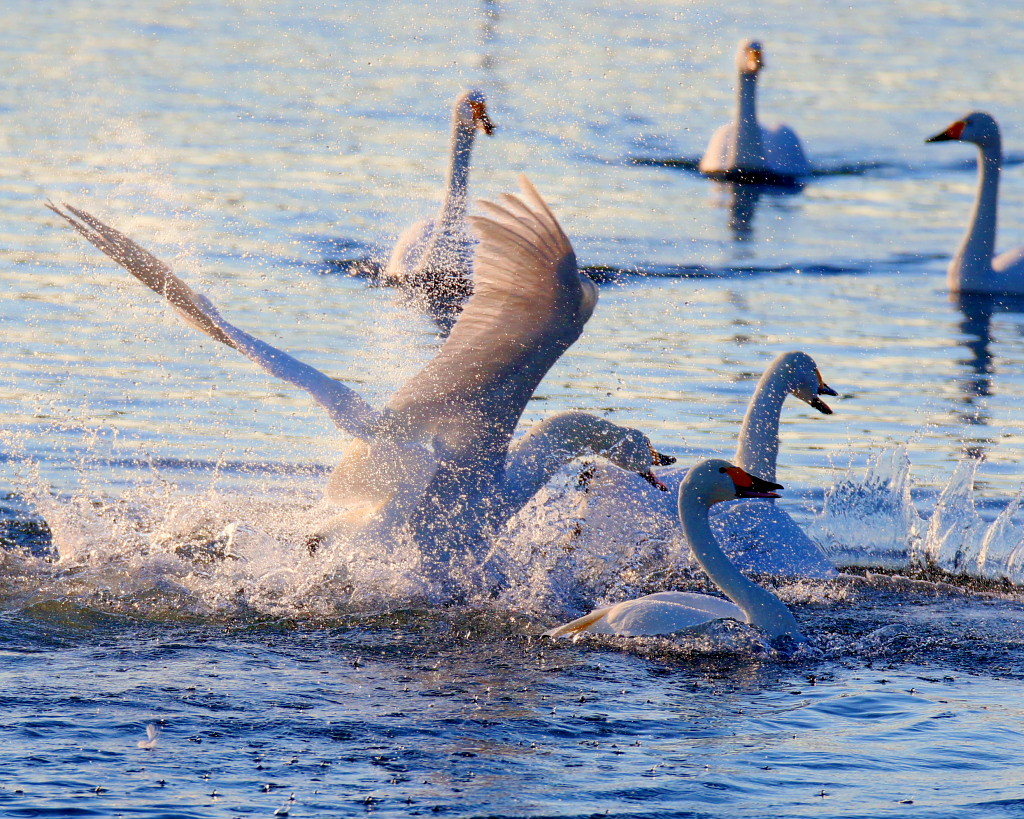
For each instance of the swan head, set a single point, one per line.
(977, 127)
(714, 481)
(803, 379)
(471, 112)
(634, 452)
(750, 57)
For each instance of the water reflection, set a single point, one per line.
(742, 200)
(975, 382)
(489, 18)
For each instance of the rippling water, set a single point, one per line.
(265, 149)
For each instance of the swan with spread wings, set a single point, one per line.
(439, 459)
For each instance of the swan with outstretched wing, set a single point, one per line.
(439, 457)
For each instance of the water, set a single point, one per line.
(265, 149)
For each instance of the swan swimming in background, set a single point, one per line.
(975, 268)
(433, 258)
(665, 613)
(439, 457)
(757, 535)
(746, 151)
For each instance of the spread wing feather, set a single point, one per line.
(528, 306)
(345, 407)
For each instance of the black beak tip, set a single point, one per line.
(652, 479)
(661, 459)
(825, 389)
(820, 406)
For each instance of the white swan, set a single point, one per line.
(758, 535)
(439, 457)
(665, 613)
(433, 257)
(746, 151)
(975, 267)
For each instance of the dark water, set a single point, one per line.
(156, 487)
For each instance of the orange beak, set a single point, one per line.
(952, 133)
(751, 486)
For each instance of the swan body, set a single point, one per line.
(975, 268)
(758, 535)
(747, 151)
(665, 613)
(433, 258)
(439, 458)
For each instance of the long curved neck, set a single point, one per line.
(546, 448)
(971, 267)
(453, 208)
(758, 448)
(748, 149)
(762, 608)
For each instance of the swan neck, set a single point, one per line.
(762, 608)
(748, 148)
(453, 208)
(758, 449)
(971, 269)
(546, 448)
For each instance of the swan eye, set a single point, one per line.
(722, 469)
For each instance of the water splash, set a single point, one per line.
(871, 521)
(956, 530)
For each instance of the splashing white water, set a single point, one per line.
(873, 521)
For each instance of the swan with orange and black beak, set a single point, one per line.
(666, 613)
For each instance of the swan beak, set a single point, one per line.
(952, 133)
(660, 459)
(652, 479)
(480, 117)
(751, 486)
(823, 389)
(755, 59)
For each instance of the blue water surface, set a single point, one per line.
(266, 149)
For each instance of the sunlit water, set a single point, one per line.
(158, 488)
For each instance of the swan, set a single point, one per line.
(433, 258)
(746, 151)
(756, 534)
(975, 268)
(439, 458)
(664, 613)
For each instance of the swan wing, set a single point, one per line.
(784, 152)
(528, 306)
(668, 613)
(345, 407)
(592, 623)
(654, 614)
